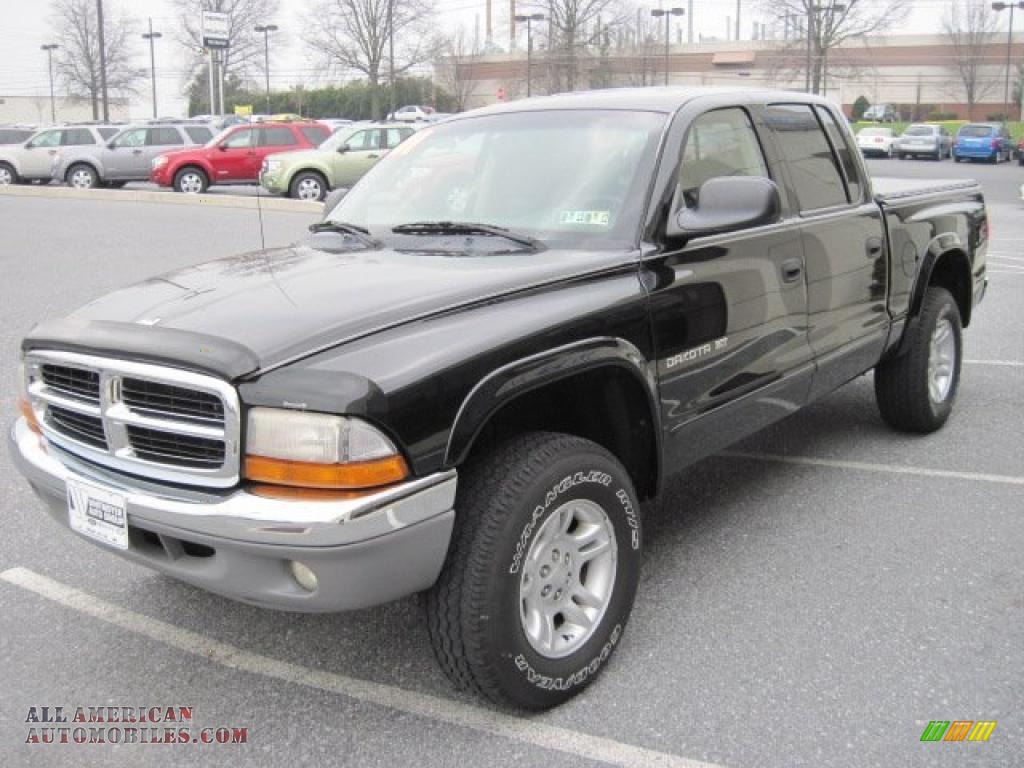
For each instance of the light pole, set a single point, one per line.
(657, 13)
(266, 29)
(1009, 47)
(151, 36)
(529, 47)
(50, 48)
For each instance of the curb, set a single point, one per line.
(167, 198)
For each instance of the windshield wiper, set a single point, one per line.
(466, 228)
(362, 234)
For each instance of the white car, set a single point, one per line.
(876, 140)
(412, 113)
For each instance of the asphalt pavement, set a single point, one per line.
(812, 597)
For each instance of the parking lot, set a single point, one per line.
(812, 597)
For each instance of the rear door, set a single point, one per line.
(273, 139)
(843, 239)
(729, 311)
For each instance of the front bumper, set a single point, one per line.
(364, 551)
(272, 181)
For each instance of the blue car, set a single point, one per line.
(983, 141)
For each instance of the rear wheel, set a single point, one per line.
(541, 572)
(308, 185)
(7, 175)
(916, 390)
(191, 181)
(82, 176)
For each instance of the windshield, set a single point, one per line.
(571, 178)
(977, 131)
(919, 130)
(875, 132)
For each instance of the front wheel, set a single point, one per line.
(82, 176)
(7, 175)
(541, 571)
(191, 181)
(308, 185)
(915, 391)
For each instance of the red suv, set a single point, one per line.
(234, 156)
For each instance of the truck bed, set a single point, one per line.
(896, 190)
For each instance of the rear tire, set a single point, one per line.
(541, 520)
(82, 176)
(915, 391)
(191, 181)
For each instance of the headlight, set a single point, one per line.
(271, 165)
(159, 161)
(318, 450)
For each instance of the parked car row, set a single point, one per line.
(974, 141)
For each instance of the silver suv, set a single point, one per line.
(33, 160)
(125, 157)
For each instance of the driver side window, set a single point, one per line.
(240, 140)
(719, 143)
(135, 138)
(48, 139)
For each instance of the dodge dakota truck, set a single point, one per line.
(489, 353)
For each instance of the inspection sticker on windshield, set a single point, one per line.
(600, 218)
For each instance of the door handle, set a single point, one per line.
(136, 151)
(372, 157)
(873, 247)
(791, 270)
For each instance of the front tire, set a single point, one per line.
(541, 572)
(82, 176)
(191, 181)
(308, 185)
(915, 391)
(8, 175)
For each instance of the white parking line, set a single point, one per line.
(892, 469)
(1009, 255)
(1006, 363)
(531, 732)
(1003, 272)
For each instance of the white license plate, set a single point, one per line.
(98, 513)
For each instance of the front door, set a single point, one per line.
(37, 156)
(844, 243)
(234, 159)
(363, 150)
(119, 159)
(729, 311)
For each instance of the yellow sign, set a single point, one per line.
(243, 110)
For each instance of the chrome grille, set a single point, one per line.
(159, 422)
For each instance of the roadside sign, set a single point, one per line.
(215, 28)
(243, 110)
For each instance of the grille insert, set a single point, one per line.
(169, 448)
(76, 383)
(78, 426)
(152, 398)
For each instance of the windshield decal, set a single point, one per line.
(598, 218)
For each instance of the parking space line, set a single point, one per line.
(1003, 272)
(443, 710)
(1009, 256)
(862, 466)
(1006, 363)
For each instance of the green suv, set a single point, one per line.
(339, 162)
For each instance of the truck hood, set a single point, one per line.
(279, 305)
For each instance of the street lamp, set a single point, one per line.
(151, 36)
(529, 47)
(1009, 46)
(266, 29)
(657, 13)
(813, 28)
(50, 48)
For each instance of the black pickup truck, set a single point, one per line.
(498, 344)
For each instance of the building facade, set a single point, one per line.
(35, 110)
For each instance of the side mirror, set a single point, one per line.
(728, 203)
(222, 147)
(343, 149)
(332, 199)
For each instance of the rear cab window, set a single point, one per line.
(976, 131)
(164, 136)
(78, 137)
(198, 134)
(277, 136)
(814, 170)
(841, 147)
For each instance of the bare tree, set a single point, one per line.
(830, 25)
(245, 45)
(641, 53)
(970, 27)
(357, 35)
(576, 32)
(454, 68)
(78, 59)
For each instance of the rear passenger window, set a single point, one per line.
(813, 169)
(77, 137)
(277, 137)
(106, 133)
(313, 134)
(198, 134)
(719, 143)
(163, 136)
(396, 136)
(842, 148)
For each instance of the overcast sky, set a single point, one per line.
(26, 24)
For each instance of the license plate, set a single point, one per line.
(98, 513)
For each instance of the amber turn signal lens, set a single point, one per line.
(358, 474)
(29, 415)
